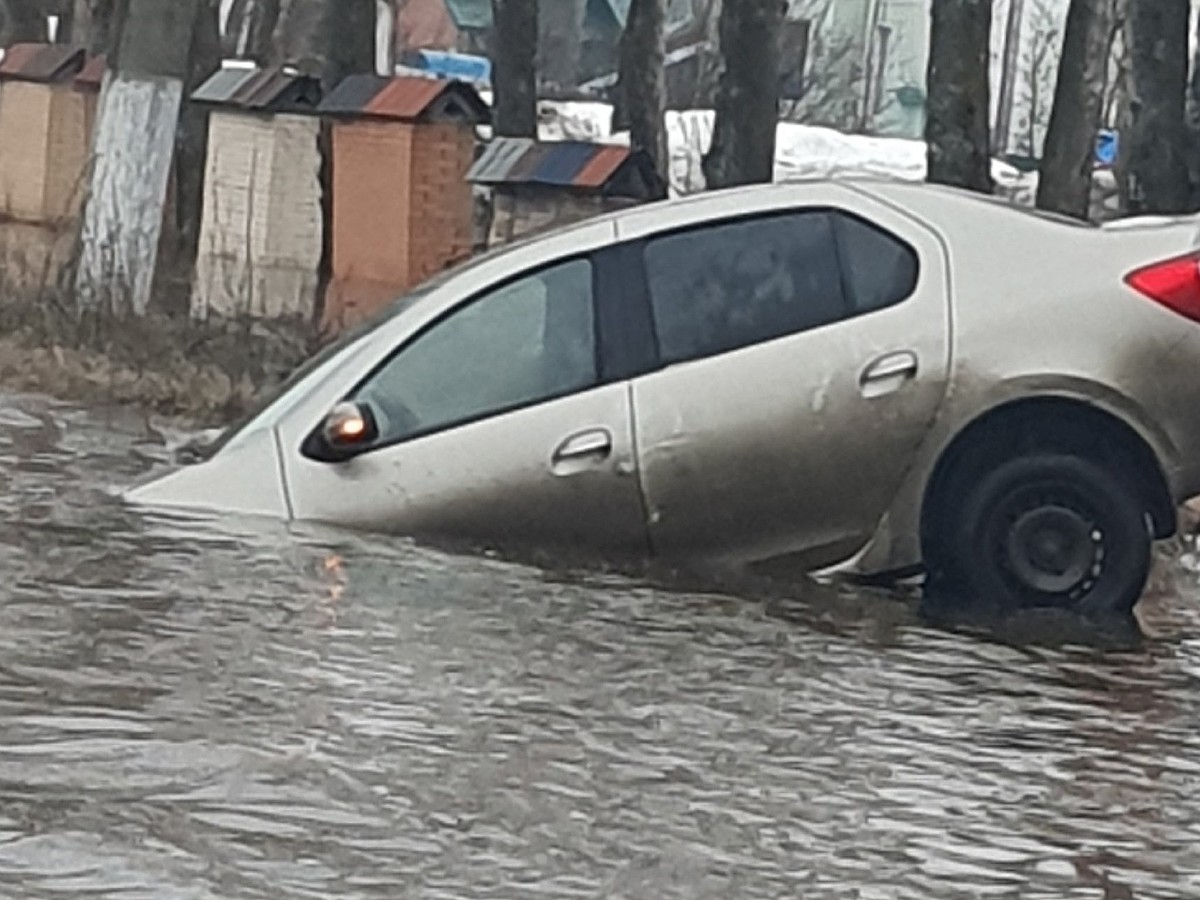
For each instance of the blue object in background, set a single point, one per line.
(1108, 146)
(477, 69)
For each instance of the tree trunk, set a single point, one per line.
(298, 33)
(514, 74)
(76, 25)
(349, 27)
(1065, 185)
(515, 67)
(22, 21)
(642, 83)
(123, 218)
(250, 28)
(747, 107)
(329, 39)
(1158, 36)
(959, 95)
(560, 41)
(708, 66)
(191, 152)
(91, 25)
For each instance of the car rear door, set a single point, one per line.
(497, 422)
(804, 354)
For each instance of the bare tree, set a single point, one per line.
(560, 41)
(90, 25)
(250, 28)
(327, 38)
(1158, 41)
(747, 107)
(1193, 123)
(514, 75)
(22, 21)
(204, 58)
(956, 126)
(1068, 160)
(708, 64)
(641, 85)
(349, 27)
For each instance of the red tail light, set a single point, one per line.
(1175, 283)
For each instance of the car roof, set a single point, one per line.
(898, 191)
(930, 202)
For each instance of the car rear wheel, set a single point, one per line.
(1048, 530)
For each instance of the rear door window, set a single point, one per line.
(733, 284)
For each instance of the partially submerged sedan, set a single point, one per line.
(872, 375)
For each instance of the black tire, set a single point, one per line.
(1046, 530)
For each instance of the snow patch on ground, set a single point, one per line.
(802, 151)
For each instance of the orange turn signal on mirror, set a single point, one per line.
(351, 428)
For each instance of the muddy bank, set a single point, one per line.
(204, 374)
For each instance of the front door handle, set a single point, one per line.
(594, 443)
(888, 373)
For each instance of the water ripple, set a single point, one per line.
(206, 708)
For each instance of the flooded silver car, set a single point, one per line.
(878, 377)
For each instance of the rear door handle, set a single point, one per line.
(890, 370)
(596, 442)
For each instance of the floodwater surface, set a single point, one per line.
(227, 709)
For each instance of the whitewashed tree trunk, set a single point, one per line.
(122, 224)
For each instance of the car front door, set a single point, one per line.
(804, 354)
(496, 423)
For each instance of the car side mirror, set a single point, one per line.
(349, 429)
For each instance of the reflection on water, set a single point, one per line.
(208, 709)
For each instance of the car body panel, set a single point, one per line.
(1011, 307)
(245, 478)
(500, 477)
(1029, 324)
(497, 477)
(786, 449)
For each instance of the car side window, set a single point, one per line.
(729, 285)
(881, 270)
(526, 342)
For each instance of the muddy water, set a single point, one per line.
(222, 709)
